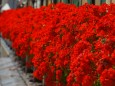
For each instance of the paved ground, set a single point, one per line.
(8, 73)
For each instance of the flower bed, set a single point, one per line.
(68, 45)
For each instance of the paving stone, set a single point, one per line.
(10, 65)
(5, 60)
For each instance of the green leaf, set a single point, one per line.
(103, 40)
(113, 66)
(97, 83)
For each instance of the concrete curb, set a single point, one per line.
(5, 49)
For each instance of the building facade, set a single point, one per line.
(76, 2)
(38, 3)
(81, 2)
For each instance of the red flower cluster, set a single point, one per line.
(107, 77)
(67, 45)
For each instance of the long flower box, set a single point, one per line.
(68, 45)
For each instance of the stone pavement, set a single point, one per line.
(10, 72)
(9, 75)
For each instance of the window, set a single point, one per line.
(103, 1)
(0, 2)
(91, 1)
